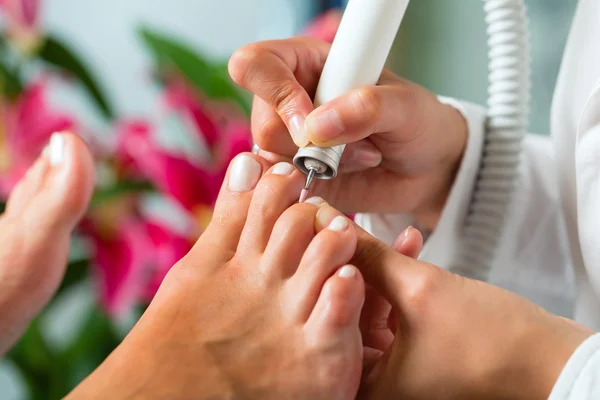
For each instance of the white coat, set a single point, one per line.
(551, 249)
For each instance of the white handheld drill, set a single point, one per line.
(357, 58)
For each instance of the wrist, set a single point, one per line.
(541, 355)
(456, 131)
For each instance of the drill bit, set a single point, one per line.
(311, 175)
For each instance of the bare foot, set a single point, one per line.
(41, 212)
(263, 307)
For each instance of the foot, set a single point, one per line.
(41, 212)
(264, 306)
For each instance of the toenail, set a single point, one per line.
(338, 224)
(317, 201)
(245, 173)
(347, 272)
(283, 169)
(55, 151)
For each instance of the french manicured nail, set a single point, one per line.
(55, 151)
(339, 224)
(298, 131)
(283, 169)
(244, 175)
(316, 201)
(324, 126)
(347, 272)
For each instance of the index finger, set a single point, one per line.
(284, 74)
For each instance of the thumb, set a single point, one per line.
(390, 271)
(41, 213)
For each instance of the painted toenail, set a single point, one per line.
(245, 173)
(283, 169)
(338, 224)
(55, 151)
(316, 201)
(347, 272)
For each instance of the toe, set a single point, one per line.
(292, 234)
(275, 193)
(231, 208)
(337, 311)
(42, 211)
(333, 246)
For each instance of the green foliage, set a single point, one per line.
(209, 78)
(56, 53)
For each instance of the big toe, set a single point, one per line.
(231, 208)
(41, 213)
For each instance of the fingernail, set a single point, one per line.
(339, 224)
(324, 126)
(298, 131)
(402, 238)
(317, 201)
(55, 151)
(283, 169)
(347, 272)
(367, 155)
(244, 175)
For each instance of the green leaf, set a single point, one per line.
(77, 272)
(59, 55)
(107, 194)
(41, 368)
(10, 82)
(212, 80)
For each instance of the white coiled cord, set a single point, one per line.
(508, 111)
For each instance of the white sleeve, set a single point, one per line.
(580, 379)
(533, 258)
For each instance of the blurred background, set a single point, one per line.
(144, 81)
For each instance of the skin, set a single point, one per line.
(404, 145)
(41, 213)
(448, 337)
(257, 310)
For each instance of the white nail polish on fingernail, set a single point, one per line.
(56, 149)
(347, 272)
(244, 174)
(283, 169)
(338, 224)
(298, 131)
(316, 201)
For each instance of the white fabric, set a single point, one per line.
(551, 250)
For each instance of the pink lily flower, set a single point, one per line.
(131, 262)
(172, 174)
(25, 127)
(22, 18)
(325, 26)
(168, 248)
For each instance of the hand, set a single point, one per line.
(457, 338)
(35, 230)
(264, 306)
(405, 146)
(378, 320)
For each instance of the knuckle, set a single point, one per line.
(369, 102)
(420, 293)
(282, 97)
(268, 133)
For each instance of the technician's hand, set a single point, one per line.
(41, 213)
(456, 338)
(405, 147)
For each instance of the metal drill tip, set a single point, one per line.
(309, 179)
